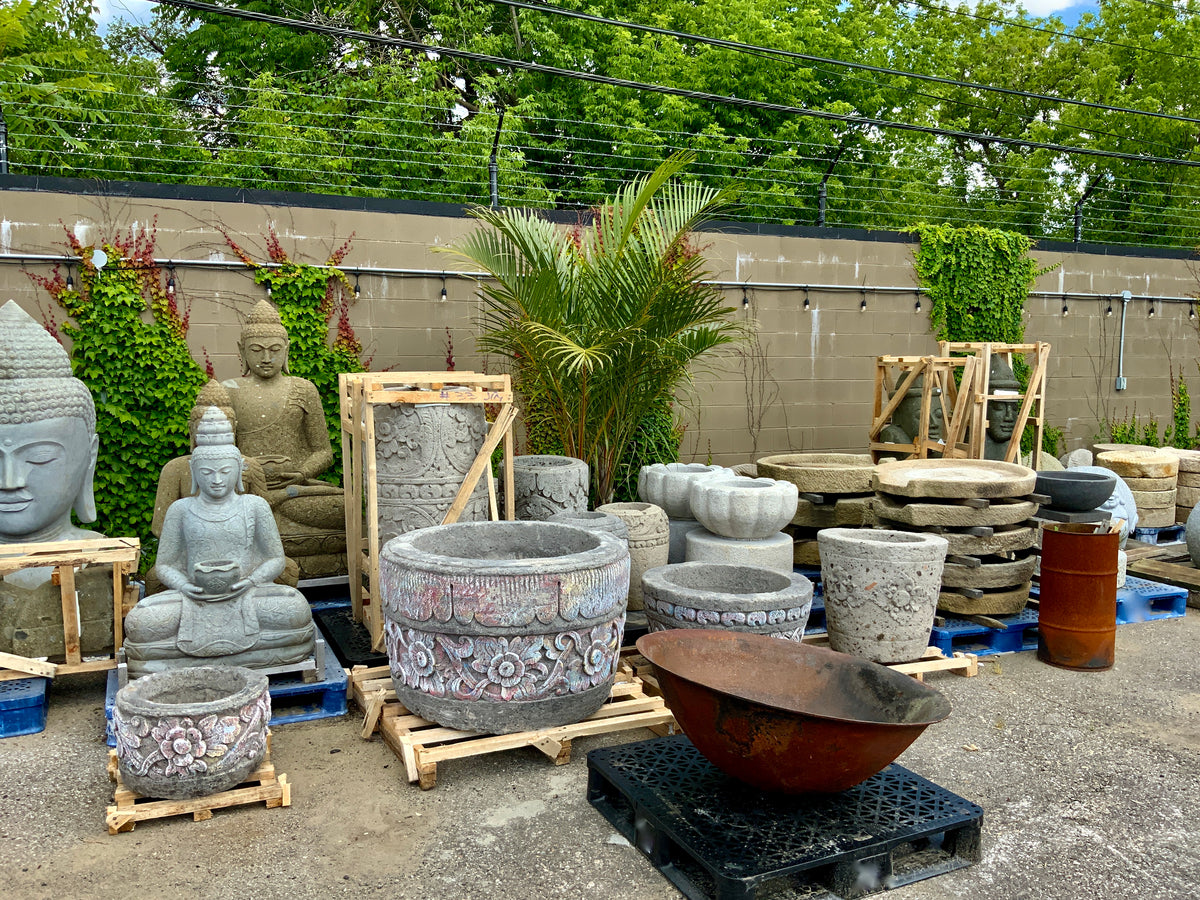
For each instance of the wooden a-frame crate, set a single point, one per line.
(894, 375)
(65, 557)
(360, 393)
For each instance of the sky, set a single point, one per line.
(139, 10)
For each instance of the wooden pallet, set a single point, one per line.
(421, 744)
(129, 808)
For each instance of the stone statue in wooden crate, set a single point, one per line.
(281, 424)
(219, 554)
(48, 449)
(1002, 414)
(905, 425)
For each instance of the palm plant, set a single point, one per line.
(602, 323)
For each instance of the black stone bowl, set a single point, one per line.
(1071, 491)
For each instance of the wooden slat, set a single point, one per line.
(27, 666)
(500, 427)
(1177, 574)
(70, 611)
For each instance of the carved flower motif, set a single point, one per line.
(512, 664)
(414, 655)
(184, 744)
(129, 735)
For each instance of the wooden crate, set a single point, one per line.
(263, 785)
(65, 557)
(421, 744)
(359, 394)
(956, 380)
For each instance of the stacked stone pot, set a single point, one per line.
(667, 486)
(649, 538)
(1152, 475)
(980, 508)
(1187, 489)
(545, 485)
(741, 518)
(504, 626)
(842, 483)
(738, 598)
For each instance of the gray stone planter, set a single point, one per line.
(1120, 505)
(422, 454)
(191, 732)
(881, 591)
(546, 485)
(649, 540)
(668, 485)
(504, 626)
(775, 552)
(749, 509)
(740, 598)
(593, 521)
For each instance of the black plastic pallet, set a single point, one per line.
(349, 640)
(713, 837)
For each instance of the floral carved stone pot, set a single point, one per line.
(191, 732)
(881, 590)
(649, 541)
(504, 626)
(545, 485)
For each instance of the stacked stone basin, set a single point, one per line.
(841, 482)
(741, 518)
(980, 508)
(1187, 489)
(501, 627)
(1152, 476)
(668, 486)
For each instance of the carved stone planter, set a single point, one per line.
(191, 732)
(668, 485)
(881, 591)
(740, 598)
(504, 626)
(422, 454)
(649, 539)
(593, 521)
(546, 485)
(749, 509)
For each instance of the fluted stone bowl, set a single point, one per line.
(668, 485)
(749, 509)
(191, 732)
(1073, 491)
(504, 626)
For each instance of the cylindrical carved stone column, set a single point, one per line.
(422, 454)
(544, 485)
(649, 541)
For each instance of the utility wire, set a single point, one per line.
(788, 54)
(352, 34)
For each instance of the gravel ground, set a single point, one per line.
(1088, 783)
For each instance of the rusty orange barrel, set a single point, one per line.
(1077, 617)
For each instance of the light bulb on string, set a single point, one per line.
(1191, 310)
(862, 307)
(806, 298)
(1108, 312)
(357, 289)
(443, 297)
(917, 305)
(70, 280)
(171, 280)
(745, 298)
(1151, 309)
(1066, 309)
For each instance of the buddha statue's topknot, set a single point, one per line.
(35, 374)
(263, 321)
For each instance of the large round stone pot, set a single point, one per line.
(544, 485)
(649, 541)
(748, 509)
(668, 485)
(504, 626)
(881, 590)
(191, 732)
(740, 598)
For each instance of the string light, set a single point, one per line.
(1108, 312)
(1191, 310)
(862, 307)
(806, 298)
(70, 280)
(357, 289)
(171, 281)
(443, 286)
(745, 298)
(1151, 309)
(1066, 309)
(917, 306)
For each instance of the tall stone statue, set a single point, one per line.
(48, 449)
(218, 554)
(175, 480)
(281, 424)
(1002, 414)
(906, 420)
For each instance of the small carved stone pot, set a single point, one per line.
(191, 732)
(649, 541)
(881, 590)
(504, 626)
(546, 485)
(593, 521)
(216, 577)
(667, 485)
(740, 598)
(748, 509)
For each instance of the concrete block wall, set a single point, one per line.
(819, 364)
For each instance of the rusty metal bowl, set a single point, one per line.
(784, 716)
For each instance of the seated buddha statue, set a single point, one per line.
(281, 424)
(48, 449)
(175, 480)
(906, 420)
(218, 555)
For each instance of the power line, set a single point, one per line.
(788, 54)
(352, 34)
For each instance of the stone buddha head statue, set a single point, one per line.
(907, 416)
(264, 342)
(48, 438)
(212, 394)
(1002, 414)
(216, 462)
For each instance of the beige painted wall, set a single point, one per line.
(821, 361)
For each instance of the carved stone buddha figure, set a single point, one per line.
(48, 449)
(281, 424)
(906, 420)
(218, 554)
(1002, 414)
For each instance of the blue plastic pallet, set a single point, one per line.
(23, 705)
(959, 635)
(1143, 600)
